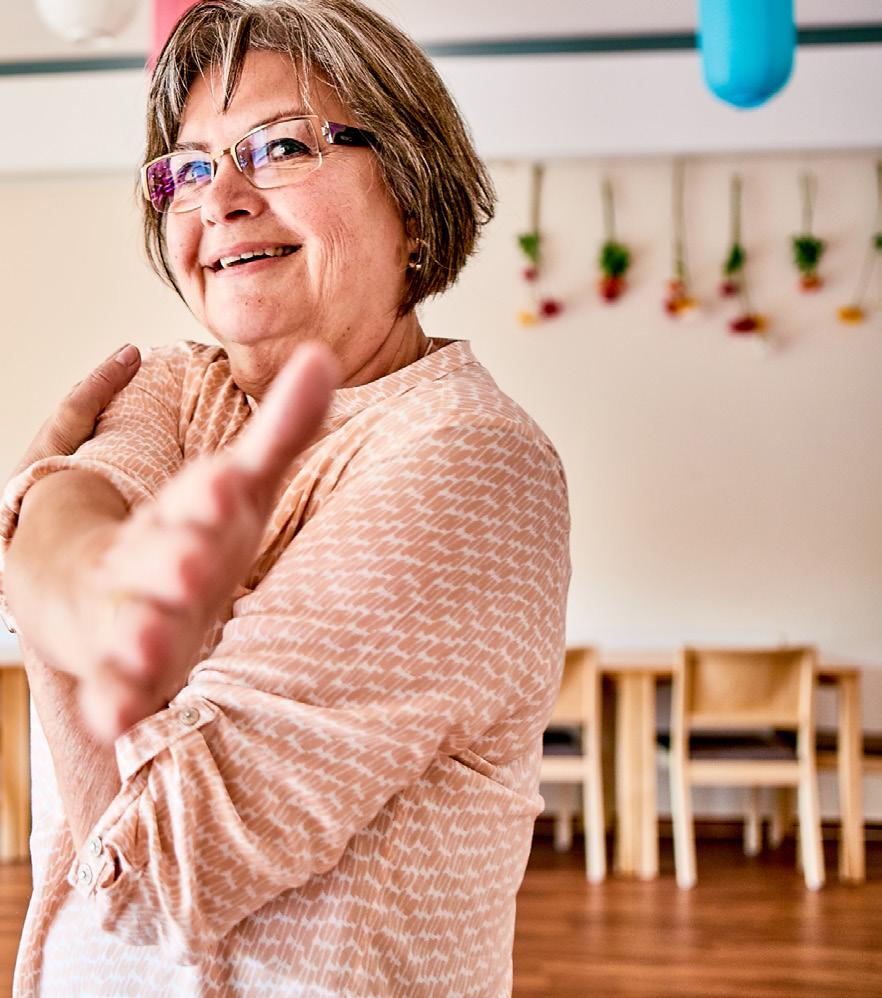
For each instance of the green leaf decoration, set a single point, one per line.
(615, 258)
(807, 253)
(529, 243)
(877, 241)
(735, 260)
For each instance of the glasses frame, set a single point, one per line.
(333, 133)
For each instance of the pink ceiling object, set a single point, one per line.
(166, 14)
(86, 20)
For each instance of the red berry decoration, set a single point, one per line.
(615, 257)
(530, 244)
(807, 249)
(747, 324)
(611, 288)
(550, 307)
(734, 273)
(810, 282)
(679, 300)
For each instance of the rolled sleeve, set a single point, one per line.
(419, 609)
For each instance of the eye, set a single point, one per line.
(277, 151)
(192, 171)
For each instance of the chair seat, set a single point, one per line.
(735, 745)
(827, 742)
(562, 741)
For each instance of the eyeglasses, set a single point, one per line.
(273, 155)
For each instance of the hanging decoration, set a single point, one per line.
(734, 277)
(530, 244)
(746, 48)
(615, 257)
(86, 21)
(856, 311)
(680, 301)
(166, 14)
(807, 248)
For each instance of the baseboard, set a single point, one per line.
(712, 828)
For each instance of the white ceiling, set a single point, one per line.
(23, 36)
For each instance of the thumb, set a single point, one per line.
(290, 416)
(73, 419)
(88, 399)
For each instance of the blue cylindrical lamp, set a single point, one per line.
(747, 48)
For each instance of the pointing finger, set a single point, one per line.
(290, 416)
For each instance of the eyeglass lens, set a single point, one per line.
(278, 154)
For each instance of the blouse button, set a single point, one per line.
(95, 846)
(189, 716)
(84, 874)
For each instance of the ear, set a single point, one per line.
(413, 234)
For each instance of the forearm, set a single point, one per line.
(86, 771)
(44, 566)
(48, 553)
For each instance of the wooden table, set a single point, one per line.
(15, 767)
(636, 675)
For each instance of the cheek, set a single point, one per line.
(183, 250)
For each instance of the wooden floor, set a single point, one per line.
(748, 930)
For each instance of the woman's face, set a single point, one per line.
(343, 283)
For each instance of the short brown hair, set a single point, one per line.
(427, 158)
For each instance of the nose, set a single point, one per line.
(230, 196)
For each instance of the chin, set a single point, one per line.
(251, 332)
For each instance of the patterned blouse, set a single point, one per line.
(340, 801)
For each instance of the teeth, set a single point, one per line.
(229, 261)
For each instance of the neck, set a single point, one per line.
(361, 359)
(405, 344)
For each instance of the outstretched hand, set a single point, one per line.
(157, 580)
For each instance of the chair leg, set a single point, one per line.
(782, 816)
(810, 830)
(563, 818)
(753, 829)
(684, 832)
(595, 834)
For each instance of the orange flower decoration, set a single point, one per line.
(851, 314)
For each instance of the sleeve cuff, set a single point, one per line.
(112, 848)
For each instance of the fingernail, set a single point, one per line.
(127, 356)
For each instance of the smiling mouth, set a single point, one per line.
(228, 262)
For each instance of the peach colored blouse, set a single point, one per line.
(340, 801)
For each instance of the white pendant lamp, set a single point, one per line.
(87, 20)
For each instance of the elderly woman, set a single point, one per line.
(316, 633)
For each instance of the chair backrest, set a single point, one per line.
(729, 688)
(576, 702)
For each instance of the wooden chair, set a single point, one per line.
(850, 807)
(578, 705)
(727, 708)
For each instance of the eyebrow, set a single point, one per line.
(296, 112)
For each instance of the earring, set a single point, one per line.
(415, 261)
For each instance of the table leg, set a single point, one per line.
(852, 862)
(627, 775)
(636, 851)
(15, 810)
(648, 855)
